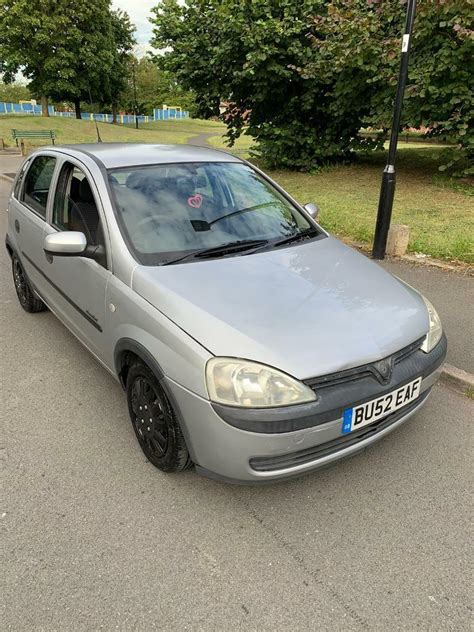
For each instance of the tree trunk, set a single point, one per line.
(44, 105)
(77, 105)
(114, 114)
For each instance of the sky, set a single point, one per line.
(139, 11)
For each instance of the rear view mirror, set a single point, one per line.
(312, 209)
(65, 244)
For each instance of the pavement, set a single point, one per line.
(201, 139)
(94, 537)
(452, 293)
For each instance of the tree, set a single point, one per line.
(358, 42)
(77, 68)
(253, 54)
(22, 43)
(307, 76)
(65, 49)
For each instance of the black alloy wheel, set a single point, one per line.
(25, 294)
(154, 421)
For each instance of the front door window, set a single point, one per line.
(75, 207)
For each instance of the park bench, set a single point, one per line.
(41, 133)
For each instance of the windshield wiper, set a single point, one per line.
(218, 251)
(308, 233)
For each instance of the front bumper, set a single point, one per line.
(222, 450)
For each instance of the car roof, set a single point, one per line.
(117, 155)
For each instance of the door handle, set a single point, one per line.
(17, 226)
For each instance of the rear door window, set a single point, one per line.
(19, 180)
(37, 184)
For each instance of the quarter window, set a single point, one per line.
(37, 184)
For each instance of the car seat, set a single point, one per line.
(84, 214)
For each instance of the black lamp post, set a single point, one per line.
(387, 191)
(135, 107)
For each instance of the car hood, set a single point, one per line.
(310, 309)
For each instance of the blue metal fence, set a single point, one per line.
(169, 114)
(23, 108)
(159, 114)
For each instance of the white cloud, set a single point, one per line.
(139, 12)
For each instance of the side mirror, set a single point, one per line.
(312, 209)
(69, 243)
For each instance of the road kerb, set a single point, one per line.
(457, 378)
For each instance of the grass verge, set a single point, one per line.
(440, 216)
(69, 130)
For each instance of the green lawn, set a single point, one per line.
(69, 130)
(439, 213)
(192, 127)
(440, 217)
(241, 147)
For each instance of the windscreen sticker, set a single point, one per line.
(195, 200)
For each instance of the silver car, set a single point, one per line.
(250, 343)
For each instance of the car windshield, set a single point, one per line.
(168, 212)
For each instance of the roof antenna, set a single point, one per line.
(99, 139)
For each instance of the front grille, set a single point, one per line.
(359, 372)
(284, 461)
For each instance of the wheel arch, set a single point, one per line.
(125, 350)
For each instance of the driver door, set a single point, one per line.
(80, 283)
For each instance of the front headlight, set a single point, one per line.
(236, 382)
(436, 329)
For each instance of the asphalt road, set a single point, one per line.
(95, 538)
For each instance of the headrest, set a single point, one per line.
(74, 192)
(85, 193)
(137, 180)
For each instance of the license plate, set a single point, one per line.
(365, 414)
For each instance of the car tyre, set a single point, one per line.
(28, 300)
(154, 421)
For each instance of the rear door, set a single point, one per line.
(28, 211)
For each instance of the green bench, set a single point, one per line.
(20, 134)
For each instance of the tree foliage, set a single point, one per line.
(68, 50)
(360, 41)
(307, 76)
